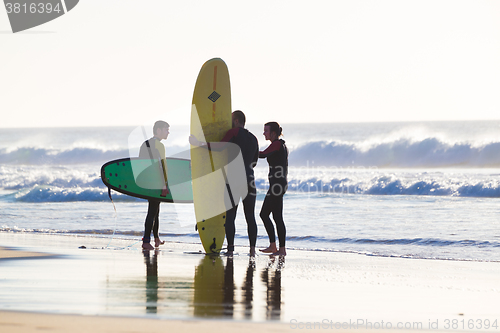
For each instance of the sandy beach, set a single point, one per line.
(98, 285)
(20, 322)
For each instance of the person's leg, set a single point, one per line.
(265, 211)
(156, 222)
(230, 228)
(280, 224)
(249, 210)
(153, 207)
(156, 228)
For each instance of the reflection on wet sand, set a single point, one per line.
(272, 281)
(165, 293)
(214, 292)
(151, 281)
(215, 289)
(208, 287)
(247, 289)
(229, 287)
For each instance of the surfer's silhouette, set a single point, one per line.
(249, 148)
(277, 157)
(153, 149)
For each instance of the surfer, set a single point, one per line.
(153, 149)
(277, 157)
(249, 147)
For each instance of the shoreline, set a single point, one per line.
(173, 286)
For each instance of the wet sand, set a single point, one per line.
(9, 253)
(49, 281)
(21, 322)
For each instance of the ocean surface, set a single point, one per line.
(427, 190)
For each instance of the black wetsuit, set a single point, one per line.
(277, 157)
(152, 149)
(249, 147)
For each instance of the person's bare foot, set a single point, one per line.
(229, 254)
(252, 251)
(271, 249)
(147, 246)
(158, 242)
(280, 252)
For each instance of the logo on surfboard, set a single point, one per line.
(214, 96)
(26, 14)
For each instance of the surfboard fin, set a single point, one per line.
(213, 247)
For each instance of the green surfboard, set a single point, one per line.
(143, 178)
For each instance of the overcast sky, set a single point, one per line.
(124, 62)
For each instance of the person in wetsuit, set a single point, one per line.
(155, 150)
(249, 147)
(277, 157)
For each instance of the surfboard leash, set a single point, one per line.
(110, 198)
(116, 216)
(116, 222)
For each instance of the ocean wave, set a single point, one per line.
(44, 156)
(400, 153)
(73, 156)
(296, 240)
(96, 232)
(56, 183)
(90, 187)
(399, 241)
(429, 152)
(25, 179)
(392, 185)
(58, 194)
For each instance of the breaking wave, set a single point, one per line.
(400, 153)
(44, 156)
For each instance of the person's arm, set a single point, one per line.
(163, 163)
(272, 149)
(164, 190)
(215, 146)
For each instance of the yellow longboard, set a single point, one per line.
(210, 120)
